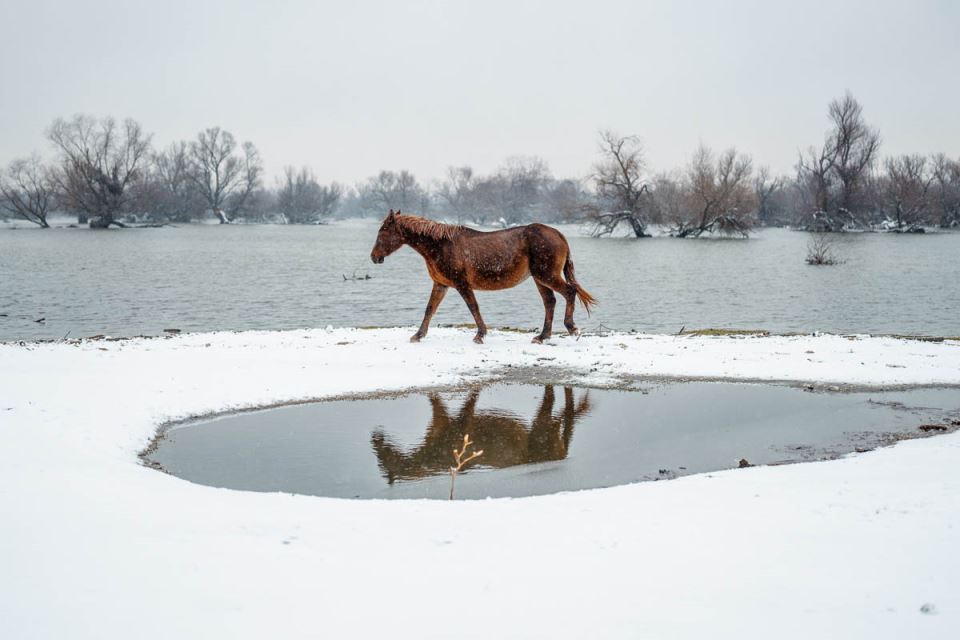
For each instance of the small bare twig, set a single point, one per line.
(601, 328)
(461, 459)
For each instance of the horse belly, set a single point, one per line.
(497, 273)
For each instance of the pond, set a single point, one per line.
(231, 277)
(538, 439)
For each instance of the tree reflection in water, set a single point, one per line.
(506, 440)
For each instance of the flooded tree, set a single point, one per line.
(106, 173)
(565, 201)
(946, 189)
(513, 194)
(220, 171)
(302, 199)
(456, 193)
(171, 194)
(521, 190)
(523, 181)
(815, 180)
(248, 195)
(836, 173)
(623, 197)
(905, 191)
(393, 190)
(670, 197)
(855, 147)
(721, 197)
(27, 190)
(99, 163)
(766, 189)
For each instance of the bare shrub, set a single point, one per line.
(820, 251)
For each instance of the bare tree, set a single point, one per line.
(856, 146)
(99, 162)
(721, 196)
(564, 201)
(244, 198)
(218, 171)
(302, 199)
(457, 192)
(623, 196)
(836, 173)
(765, 188)
(946, 176)
(172, 193)
(394, 190)
(27, 190)
(670, 197)
(815, 177)
(490, 197)
(906, 191)
(524, 180)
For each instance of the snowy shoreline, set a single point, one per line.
(97, 545)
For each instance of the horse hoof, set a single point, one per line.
(478, 339)
(574, 332)
(539, 339)
(415, 337)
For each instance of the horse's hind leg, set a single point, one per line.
(436, 296)
(569, 293)
(471, 300)
(549, 304)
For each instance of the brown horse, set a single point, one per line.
(466, 259)
(504, 439)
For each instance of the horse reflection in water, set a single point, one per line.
(504, 438)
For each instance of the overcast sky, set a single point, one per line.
(350, 88)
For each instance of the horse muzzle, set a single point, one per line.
(377, 259)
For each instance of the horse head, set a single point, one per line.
(389, 238)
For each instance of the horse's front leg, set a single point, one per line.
(471, 301)
(436, 296)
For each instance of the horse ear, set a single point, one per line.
(398, 211)
(390, 215)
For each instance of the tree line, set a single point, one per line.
(108, 173)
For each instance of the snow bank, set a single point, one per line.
(94, 545)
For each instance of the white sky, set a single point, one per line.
(350, 88)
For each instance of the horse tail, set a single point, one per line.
(586, 299)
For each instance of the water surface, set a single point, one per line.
(215, 277)
(537, 439)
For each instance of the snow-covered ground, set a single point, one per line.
(95, 545)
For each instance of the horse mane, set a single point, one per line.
(429, 228)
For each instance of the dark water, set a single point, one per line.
(537, 439)
(213, 277)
